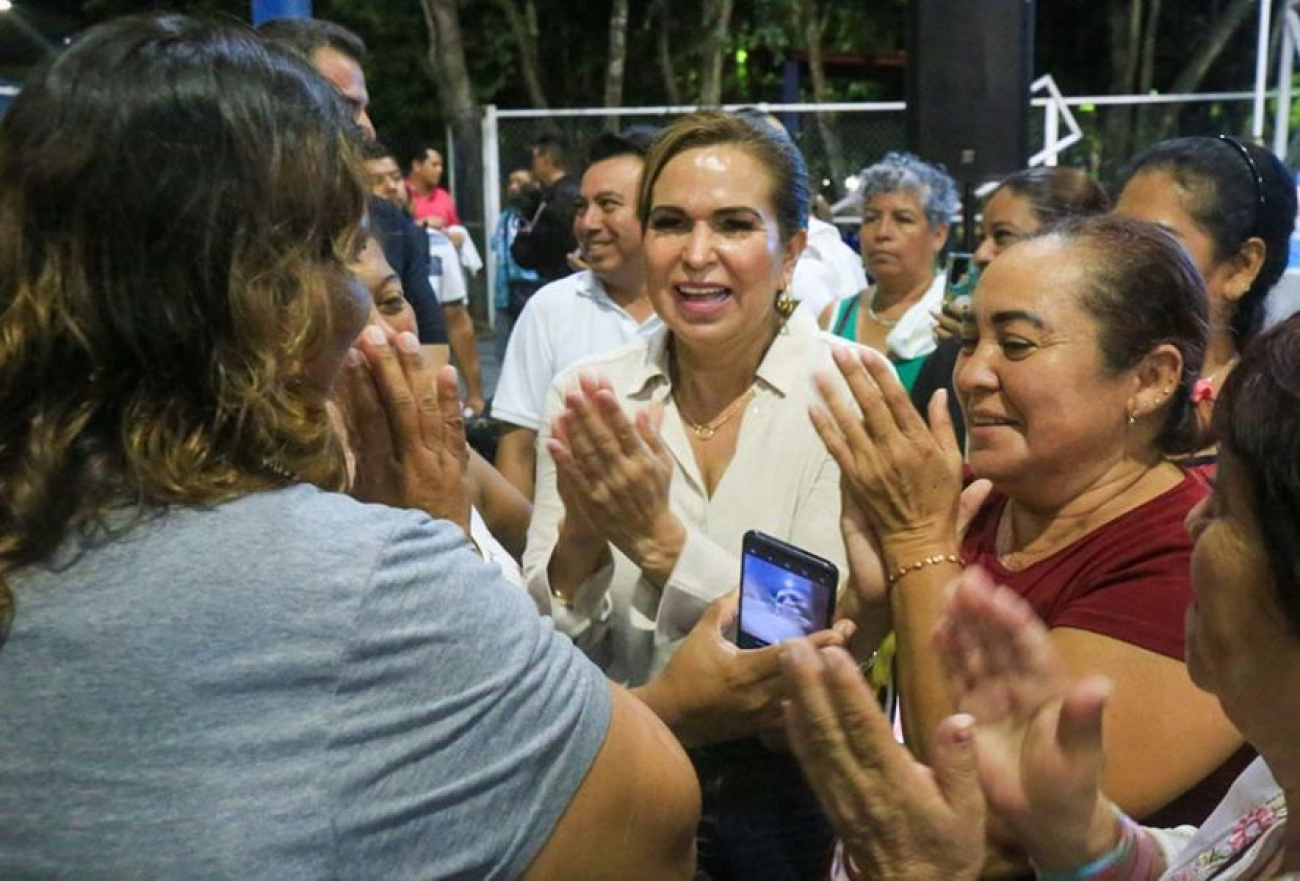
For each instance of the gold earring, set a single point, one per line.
(1131, 419)
(785, 304)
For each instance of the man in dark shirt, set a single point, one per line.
(337, 53)
(545, 240)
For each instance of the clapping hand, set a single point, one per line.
(1038, 731)
(405, 428)
(903, 475)
(613, 476)
(896, 817)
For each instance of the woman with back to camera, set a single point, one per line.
(1019, 206)
(1038, 725)
(1075, 376)
(217, 665)
(906, 204)
(655, 459)
(1232, 205)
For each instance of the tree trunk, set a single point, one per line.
(664, 51)
(717, 27)
(1125, 25)
(523, 27)
(1190, 77)
(617, 58)
(451, 79)
(812, 30)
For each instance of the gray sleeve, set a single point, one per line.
(466, 724)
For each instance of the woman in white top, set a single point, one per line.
(654, 460)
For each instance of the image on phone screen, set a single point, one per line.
(777, 604)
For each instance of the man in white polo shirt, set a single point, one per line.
(598, 309)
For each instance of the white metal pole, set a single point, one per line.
(491, 204)
(1051, 132)
(449, 139)
(1282, 117)
(1261, 71)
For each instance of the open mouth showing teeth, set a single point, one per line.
(702, 294)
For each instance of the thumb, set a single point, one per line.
(1078, 730)
(721, 612)
(955, 770)
(972, 499)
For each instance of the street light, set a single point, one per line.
(6, 5)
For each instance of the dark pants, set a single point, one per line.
(760, 819)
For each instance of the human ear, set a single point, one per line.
(1156, 378)
(790, 256)
(1244, 267)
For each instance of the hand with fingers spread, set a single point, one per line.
(903, 475)
(613, 475)
(712, 691)
(1039, 733)
(406, 429)
(896, 817)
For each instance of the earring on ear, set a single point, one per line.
(1131, 418)
(785, 304)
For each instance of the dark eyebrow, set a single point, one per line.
(737, 209)
(1007, 316)
(607, 194)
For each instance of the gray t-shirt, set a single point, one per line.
(290, 685)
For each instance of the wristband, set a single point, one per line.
(1133, 842)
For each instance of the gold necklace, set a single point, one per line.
(706, 430)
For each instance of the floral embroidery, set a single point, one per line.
(1250, 827)
(1245, 832)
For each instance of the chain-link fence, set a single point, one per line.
(838, 140)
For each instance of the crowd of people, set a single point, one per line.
(264, 611)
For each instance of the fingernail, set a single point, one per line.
(375, 336)
(354, 358)
(963, 728)
(408, 342)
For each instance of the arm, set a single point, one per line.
(517, 457)
(460, 331)
(635, 814)
(1163, 735)
(505, 510)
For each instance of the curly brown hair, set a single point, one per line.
(177, 204)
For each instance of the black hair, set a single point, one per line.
(632, 141)
(1053, 193)
(372, 150)
(420, 154)
(554, 149)
(1257, 418)
(303, 36)
(1236, 191)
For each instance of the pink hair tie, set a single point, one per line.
(1202, 390)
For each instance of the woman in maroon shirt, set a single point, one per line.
(1076, 381)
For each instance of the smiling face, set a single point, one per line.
(1235, 628)
(1008, 218)
(899, 246)
(713, 251)
(1030, 377)
(606, 224)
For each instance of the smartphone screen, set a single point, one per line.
(785, 592)
(962, 273)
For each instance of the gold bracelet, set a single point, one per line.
(565, 602)
(894, 576)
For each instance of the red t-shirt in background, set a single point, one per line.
(436, 204)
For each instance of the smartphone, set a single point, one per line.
(962, 273)
(785, 592)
